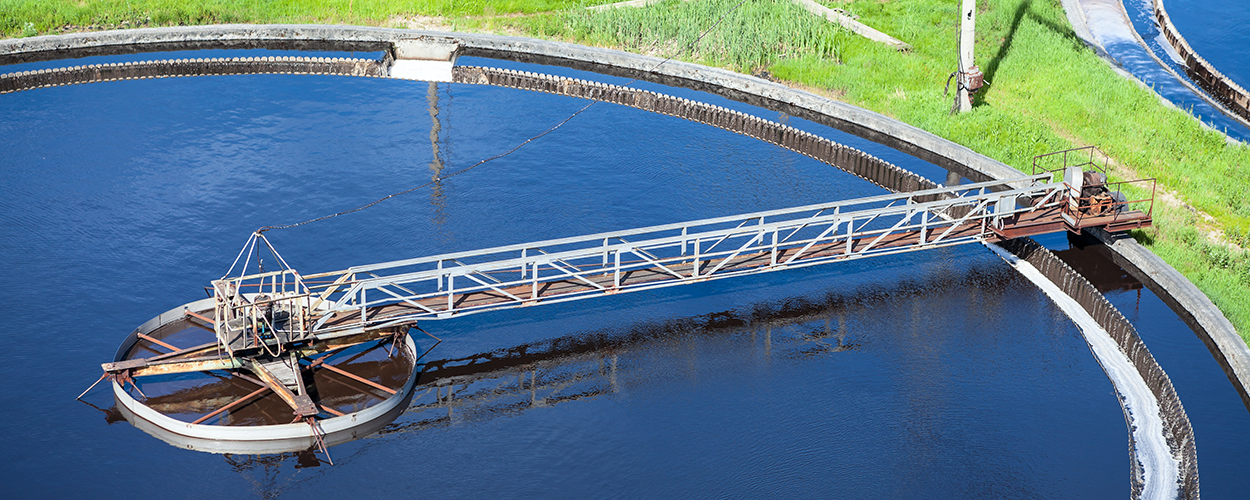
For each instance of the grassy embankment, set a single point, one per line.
(1047, 90)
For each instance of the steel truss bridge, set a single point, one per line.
(390, 295)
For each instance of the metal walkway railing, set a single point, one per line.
(364, 298)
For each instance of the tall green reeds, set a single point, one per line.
(754, 35)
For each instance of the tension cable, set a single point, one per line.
(437, 179)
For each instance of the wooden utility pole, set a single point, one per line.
(969, 77)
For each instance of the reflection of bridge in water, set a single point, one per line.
(598, 363)
(302, 314)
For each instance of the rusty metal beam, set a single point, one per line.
(357, 378)
(200, 317)
(185, 352)
(157, 341)
(237, 402)
(185, 366)
(301, 403)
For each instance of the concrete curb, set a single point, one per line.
(1185, 299)
(1221, 87)
(1193, 307)
(743, 88)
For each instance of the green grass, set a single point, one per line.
(1046, 90)
(752, 36)
(46, 16)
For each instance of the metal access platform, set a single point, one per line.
(284, 307)
(281, 325)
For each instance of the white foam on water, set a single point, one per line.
(1160, 468)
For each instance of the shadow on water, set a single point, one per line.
(510, 381)
(1093, 260)
(594, 363)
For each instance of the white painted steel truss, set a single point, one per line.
(375, 296)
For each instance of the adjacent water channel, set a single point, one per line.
(933, 374)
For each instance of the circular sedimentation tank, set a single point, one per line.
(185, 410)
(171, 412)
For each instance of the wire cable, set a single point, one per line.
(437, 179)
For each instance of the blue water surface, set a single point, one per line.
(933, 374)
(1214, 29)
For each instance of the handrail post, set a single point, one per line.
(616, 279)
(694, 271)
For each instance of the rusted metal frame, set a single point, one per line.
(146, 367)
(330, 354)
(301, 403)
(150, 348)
(1046, 199)
(833, 226)
(157, 341)
(125, 376)
(1151, 210)
(1126, 203)
(240, 375)
(358, 378)
(355, 388)
(187, 366)
(299, 375)
(759, 236)
(238, 402)
(101, 379)
(184, 352)
(192, 314)
(1065, 153)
